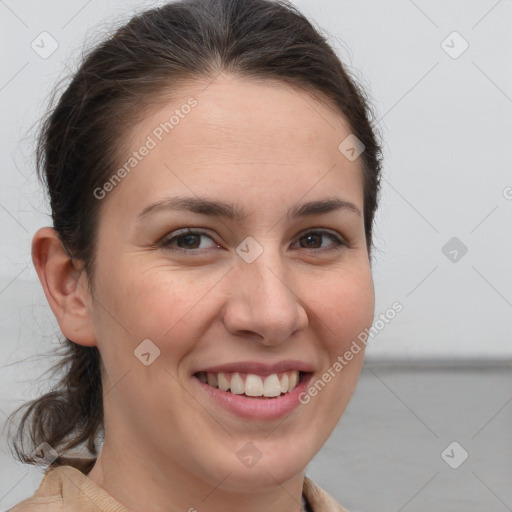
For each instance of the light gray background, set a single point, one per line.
(447, 128)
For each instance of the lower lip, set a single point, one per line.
(257, 408)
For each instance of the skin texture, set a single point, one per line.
(265, 147)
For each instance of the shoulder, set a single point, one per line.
(38, 504)
(44, 499)
(49, 496)
(320, 500)
(66, 488)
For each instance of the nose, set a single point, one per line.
(262, 303)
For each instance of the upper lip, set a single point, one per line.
(259, 368)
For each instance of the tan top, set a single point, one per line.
(67, 489)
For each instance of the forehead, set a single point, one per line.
(264, 135)
(244, 114)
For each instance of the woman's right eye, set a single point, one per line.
(188, 240)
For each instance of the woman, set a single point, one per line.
(213, 174)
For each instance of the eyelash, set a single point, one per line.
(166, 242)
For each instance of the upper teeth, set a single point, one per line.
(253, 385)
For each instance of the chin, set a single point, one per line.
(262, 464)
(263, 475)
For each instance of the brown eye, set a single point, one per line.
(316, 240)
(188, 241)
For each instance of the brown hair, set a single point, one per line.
(145, 59)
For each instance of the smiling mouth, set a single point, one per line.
(252, 385)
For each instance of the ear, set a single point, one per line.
(65, 287)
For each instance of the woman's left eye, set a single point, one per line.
(315, 240)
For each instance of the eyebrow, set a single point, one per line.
(227, 210)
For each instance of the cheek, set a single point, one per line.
(345, 306)
(164, 304)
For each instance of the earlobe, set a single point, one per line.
(65, 287)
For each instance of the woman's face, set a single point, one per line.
(272, 279)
